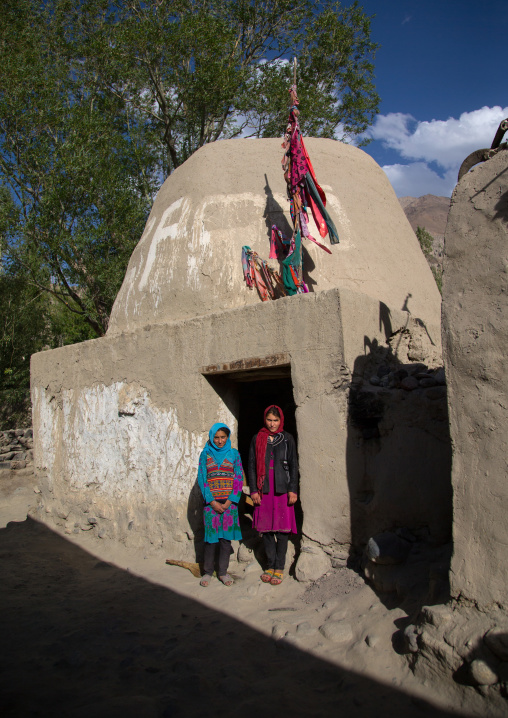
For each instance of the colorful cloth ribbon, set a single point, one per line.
(258, 274)
(304, 193)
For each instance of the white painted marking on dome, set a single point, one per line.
(344, 229)
(193, 272)
(164, 230)
(200, 241)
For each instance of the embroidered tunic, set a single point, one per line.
(220, 483)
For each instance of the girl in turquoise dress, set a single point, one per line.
(220, 478)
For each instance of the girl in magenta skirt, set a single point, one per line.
(273, 482)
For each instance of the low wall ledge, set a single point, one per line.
(273, 360)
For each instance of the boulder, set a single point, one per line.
(481, 673)
(312, 564)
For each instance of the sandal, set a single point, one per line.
(205, 581)
(277, 578)
(267, 575)
(226, 580)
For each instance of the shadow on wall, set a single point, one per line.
(398, 459)
(86, 638)
(501, 208)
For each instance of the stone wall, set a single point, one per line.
(16, 448)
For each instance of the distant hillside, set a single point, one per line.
(428, 211)
(431, 213)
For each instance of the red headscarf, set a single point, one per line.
(261, 442)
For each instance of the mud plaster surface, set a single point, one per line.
(475, 340)
(94, 628)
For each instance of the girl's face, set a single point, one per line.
(272, 422)
(220, 439)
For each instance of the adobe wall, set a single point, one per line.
(120, 421)
(475, 345)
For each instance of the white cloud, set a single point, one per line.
(444, 142)
(417, 179)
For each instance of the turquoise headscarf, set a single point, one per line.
(227, 451)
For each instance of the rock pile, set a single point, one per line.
(16, 448)
(399, 451)
(410, 377)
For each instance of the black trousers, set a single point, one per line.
(276, 546)
(209, 557)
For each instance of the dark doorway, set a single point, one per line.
(254, 397)
(247, 394)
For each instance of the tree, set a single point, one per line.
(426, 240)
(202, 70)
(100, 100)
(23, 330)
(75, 171)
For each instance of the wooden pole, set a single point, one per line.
(294, 71)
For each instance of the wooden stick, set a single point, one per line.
(294, 72)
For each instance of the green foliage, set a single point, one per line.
(23, 330)
(101, 99)
(438, 276)
(201, 70)
(427, 244)
(75, 192)
(426, 240)
(30, 321)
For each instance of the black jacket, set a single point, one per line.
(284, 480)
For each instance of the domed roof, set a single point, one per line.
(228, 194)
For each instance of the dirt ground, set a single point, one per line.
(92, 628)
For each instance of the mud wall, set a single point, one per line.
(475, 344)
(120, 421)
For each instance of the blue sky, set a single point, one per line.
(441, 76)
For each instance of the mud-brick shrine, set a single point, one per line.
(119, 422)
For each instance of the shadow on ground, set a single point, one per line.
(83, 637)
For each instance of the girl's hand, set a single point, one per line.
(227, 504)
(218, 508)
(292, 498)
(256, 498)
